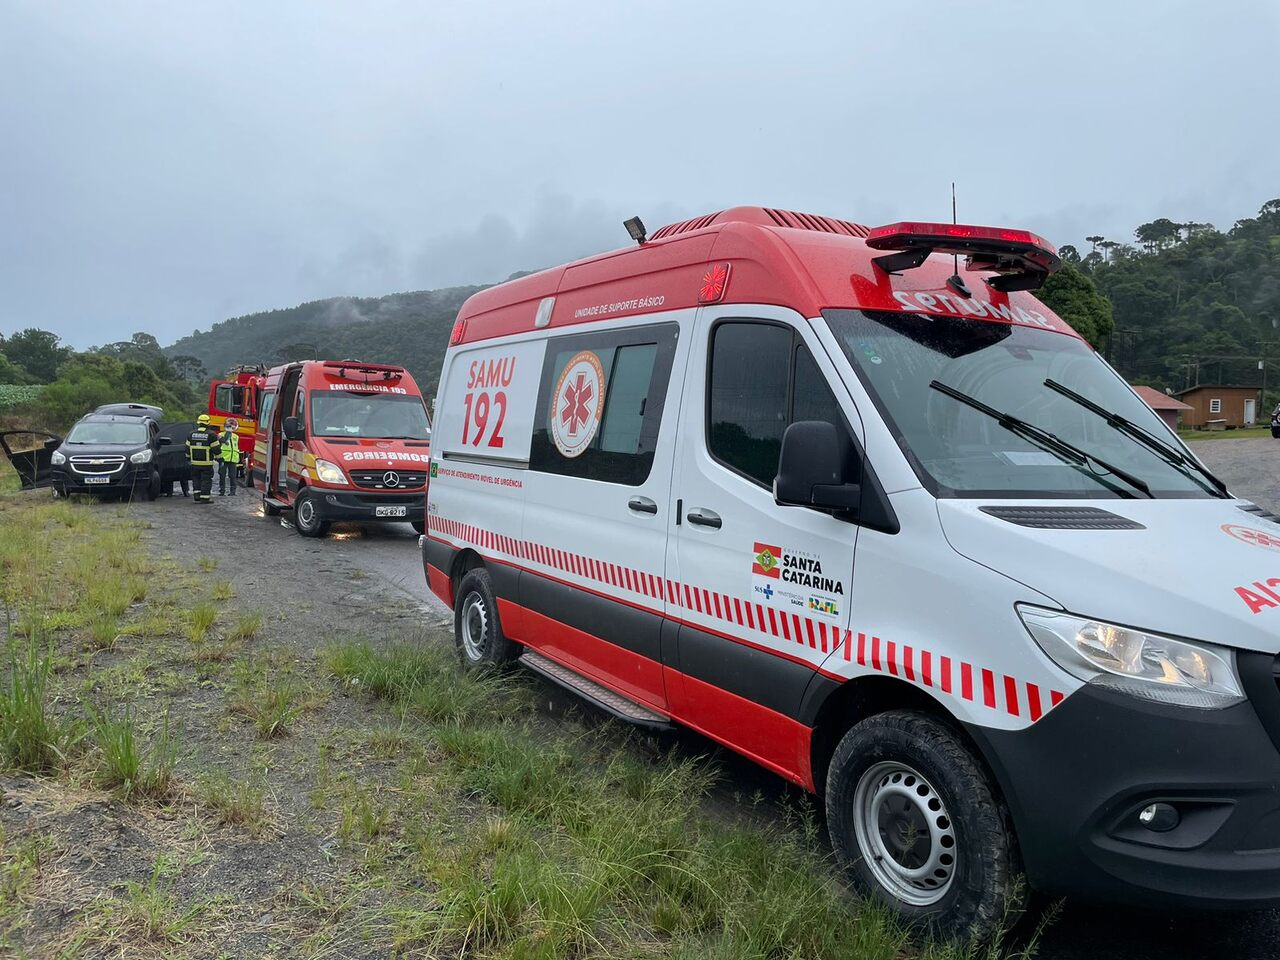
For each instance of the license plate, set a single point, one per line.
(97, 479)
(390, 511)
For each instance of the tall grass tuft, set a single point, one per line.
(32, 738)
(125, 763)
(200, 619)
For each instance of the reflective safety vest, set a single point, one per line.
(200, 446)
(230, 442)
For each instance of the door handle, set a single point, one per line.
(704, 518)
(642, 505)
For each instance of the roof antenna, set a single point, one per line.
(954, 281)
(635, 227)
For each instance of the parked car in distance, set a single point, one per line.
(112, 452)
(1275, 422)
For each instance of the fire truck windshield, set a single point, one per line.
(959, 450)
(381, 415)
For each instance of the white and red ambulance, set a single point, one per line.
(341, 440)
(855, 504)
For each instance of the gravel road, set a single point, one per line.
(383, 560)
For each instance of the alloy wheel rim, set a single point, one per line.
(475, 626)
(905, 833)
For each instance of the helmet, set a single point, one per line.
(203, 419)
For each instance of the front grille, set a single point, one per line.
(1063, 518)
(97, 466)
(1260, 676)
(389, 479)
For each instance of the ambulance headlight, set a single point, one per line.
(328, 472)
(1135, 662)
(58, 458)
(142, 456)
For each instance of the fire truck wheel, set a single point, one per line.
(306, 516)
(916, 825)
(476, 629)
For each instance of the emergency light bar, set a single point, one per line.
(386, 371)
(1022, 259)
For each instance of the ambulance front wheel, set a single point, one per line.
(476, 628)
(916, 824)
(306, 516)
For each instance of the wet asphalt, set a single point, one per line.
(1251, 468)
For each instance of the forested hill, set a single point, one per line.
(411, 329)
(1191, 301)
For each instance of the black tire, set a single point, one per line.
(307, 517)
(419, 525)
(1275, 432)
(267, 509)
(477, 632)
(970, 854)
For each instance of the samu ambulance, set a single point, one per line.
(341, 440)
(855, 504)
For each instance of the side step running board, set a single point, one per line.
(278, 504)
(621, 707)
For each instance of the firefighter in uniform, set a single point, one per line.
(202, 446)
(228, 458)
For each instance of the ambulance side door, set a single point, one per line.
(597, 503)
(762, 590)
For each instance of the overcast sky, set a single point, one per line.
(165, 166)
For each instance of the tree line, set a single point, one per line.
(70, 382)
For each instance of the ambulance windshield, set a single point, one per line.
(959, 450)
(383, 415)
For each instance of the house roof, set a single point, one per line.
(1157, 400)
(1217, 386)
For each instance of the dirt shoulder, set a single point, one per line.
(252, 745)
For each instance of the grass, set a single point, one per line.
(32, 737)
(247, 627)
(233, 802)
(222, 590)
(1241, 433)
(272, 704)
(134, 769)
(590, 843)
(200, 620)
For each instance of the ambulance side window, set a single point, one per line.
(574, 434)
(264, 411)
(761, 379)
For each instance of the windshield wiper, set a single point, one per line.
(1043, 438)
(1170, 454)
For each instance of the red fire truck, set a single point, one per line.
(236, 397)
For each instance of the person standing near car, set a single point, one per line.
(228, 457)
(202, 445)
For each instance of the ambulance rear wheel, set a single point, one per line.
(306, 516)
(477, 631)
(917, 825)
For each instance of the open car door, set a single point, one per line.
(32, 464)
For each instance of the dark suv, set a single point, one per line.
(112, 452)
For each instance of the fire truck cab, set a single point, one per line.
(236, 397)
(857, 505)
(341, 440)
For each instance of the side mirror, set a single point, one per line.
(53, 443)
(811, 469)
(164, 441)
(293, 429)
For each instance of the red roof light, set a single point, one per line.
(1023, 259)
(889, 237)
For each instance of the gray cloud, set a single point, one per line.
(166, 167)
